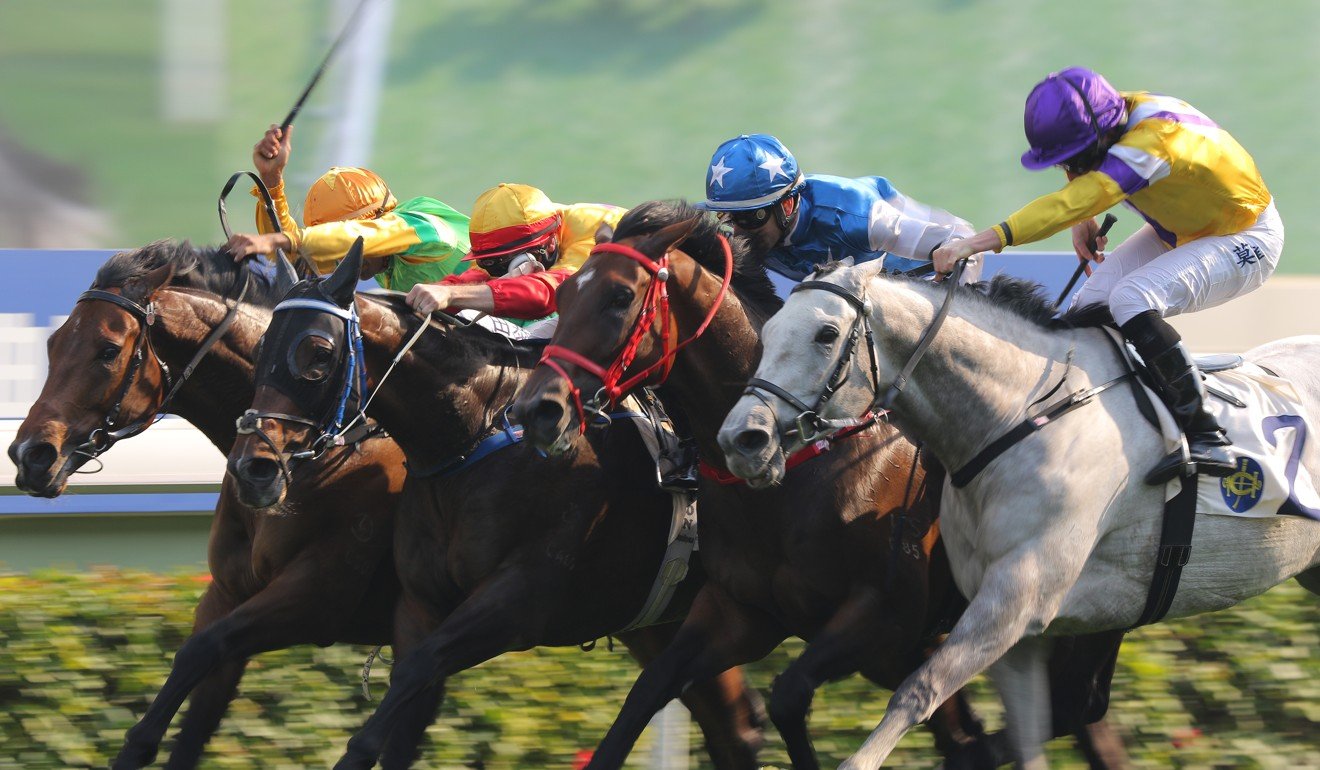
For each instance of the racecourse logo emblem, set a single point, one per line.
(1241, 489)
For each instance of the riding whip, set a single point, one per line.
(316, 77)
(1110, 219)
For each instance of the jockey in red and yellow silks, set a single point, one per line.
(420, 240)
(524, 245)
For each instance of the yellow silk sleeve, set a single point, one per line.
(1083, 197)
(326, 244)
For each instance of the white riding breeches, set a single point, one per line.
(1143, 273)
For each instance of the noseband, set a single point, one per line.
(809, 425)
(654, 313)
(103, 437)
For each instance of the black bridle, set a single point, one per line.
(808, 424)
(108, 433)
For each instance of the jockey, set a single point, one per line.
(524, 245)
(798, 222)
(1211, 234)
(417, 241)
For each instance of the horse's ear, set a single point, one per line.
(285, 275)
(342, 283)
(668, 237)
(151, 282)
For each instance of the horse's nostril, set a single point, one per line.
(259, 470)
(752, 440)
(37, 458)
(548, 413)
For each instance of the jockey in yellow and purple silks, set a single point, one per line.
(420, 240)
(1212, 232)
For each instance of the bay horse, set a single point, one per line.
(317, 570)
(844, 552)
(1058, 534)
(506, 552)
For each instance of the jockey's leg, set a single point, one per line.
(1022, 679)
(1197, 275)
(1139, 248)
(1178, 382)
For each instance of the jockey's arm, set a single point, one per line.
(524, 297)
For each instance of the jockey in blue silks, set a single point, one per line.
(797, 222)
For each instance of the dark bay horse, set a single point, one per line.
(319, 572)
(844, 554)
(506, 553)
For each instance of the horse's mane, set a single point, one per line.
(1027, 299)
(206, 269)
(750, 281)
(473, 341)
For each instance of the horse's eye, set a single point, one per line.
(621, 299)
(312, 359)
(827, 335)
(108, 353)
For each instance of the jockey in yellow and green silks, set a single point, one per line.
(419, 240)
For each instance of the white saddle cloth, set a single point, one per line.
(1268, 435)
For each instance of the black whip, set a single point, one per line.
(316, 77)
(1109, 221)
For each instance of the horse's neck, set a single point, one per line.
(222, 385)
(980, 376)
(438, 400)
(709, 375)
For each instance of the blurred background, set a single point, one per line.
(120, 120)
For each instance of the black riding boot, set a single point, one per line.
(1178, 382)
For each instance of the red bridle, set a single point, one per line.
(655, 311)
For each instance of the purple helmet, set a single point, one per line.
(1066, 113)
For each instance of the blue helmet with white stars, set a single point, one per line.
(750, 172)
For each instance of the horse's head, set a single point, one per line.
(302, 383)
(104, 379)
(613, 333)
(816, 366)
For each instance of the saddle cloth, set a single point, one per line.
(1269, 428)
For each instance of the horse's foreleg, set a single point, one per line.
(499, 616)
(855, 635)
(994, 621)
(727, 709)
(413, 622)
(718, 634)
(275, 618)
(1022, 679)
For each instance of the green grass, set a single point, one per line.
(82, 655)
(624, 101)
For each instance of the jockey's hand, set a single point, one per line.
(243, 245)
(271, 154)
(949, 253)
(1084, 233)
(430, 297)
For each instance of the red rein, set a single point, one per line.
(655, 311)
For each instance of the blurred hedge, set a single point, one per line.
(81, 656)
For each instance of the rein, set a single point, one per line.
(655, 312)
(809, 425)
(102, 438)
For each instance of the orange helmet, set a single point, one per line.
(510, 218)
(344, 193)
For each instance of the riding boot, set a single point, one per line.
(1178, 382)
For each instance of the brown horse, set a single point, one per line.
(507, 552)
(845, 554)
(320, 572)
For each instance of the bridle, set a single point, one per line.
(331, 429)
(809, 425)
(655, 313)
(107, 434)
